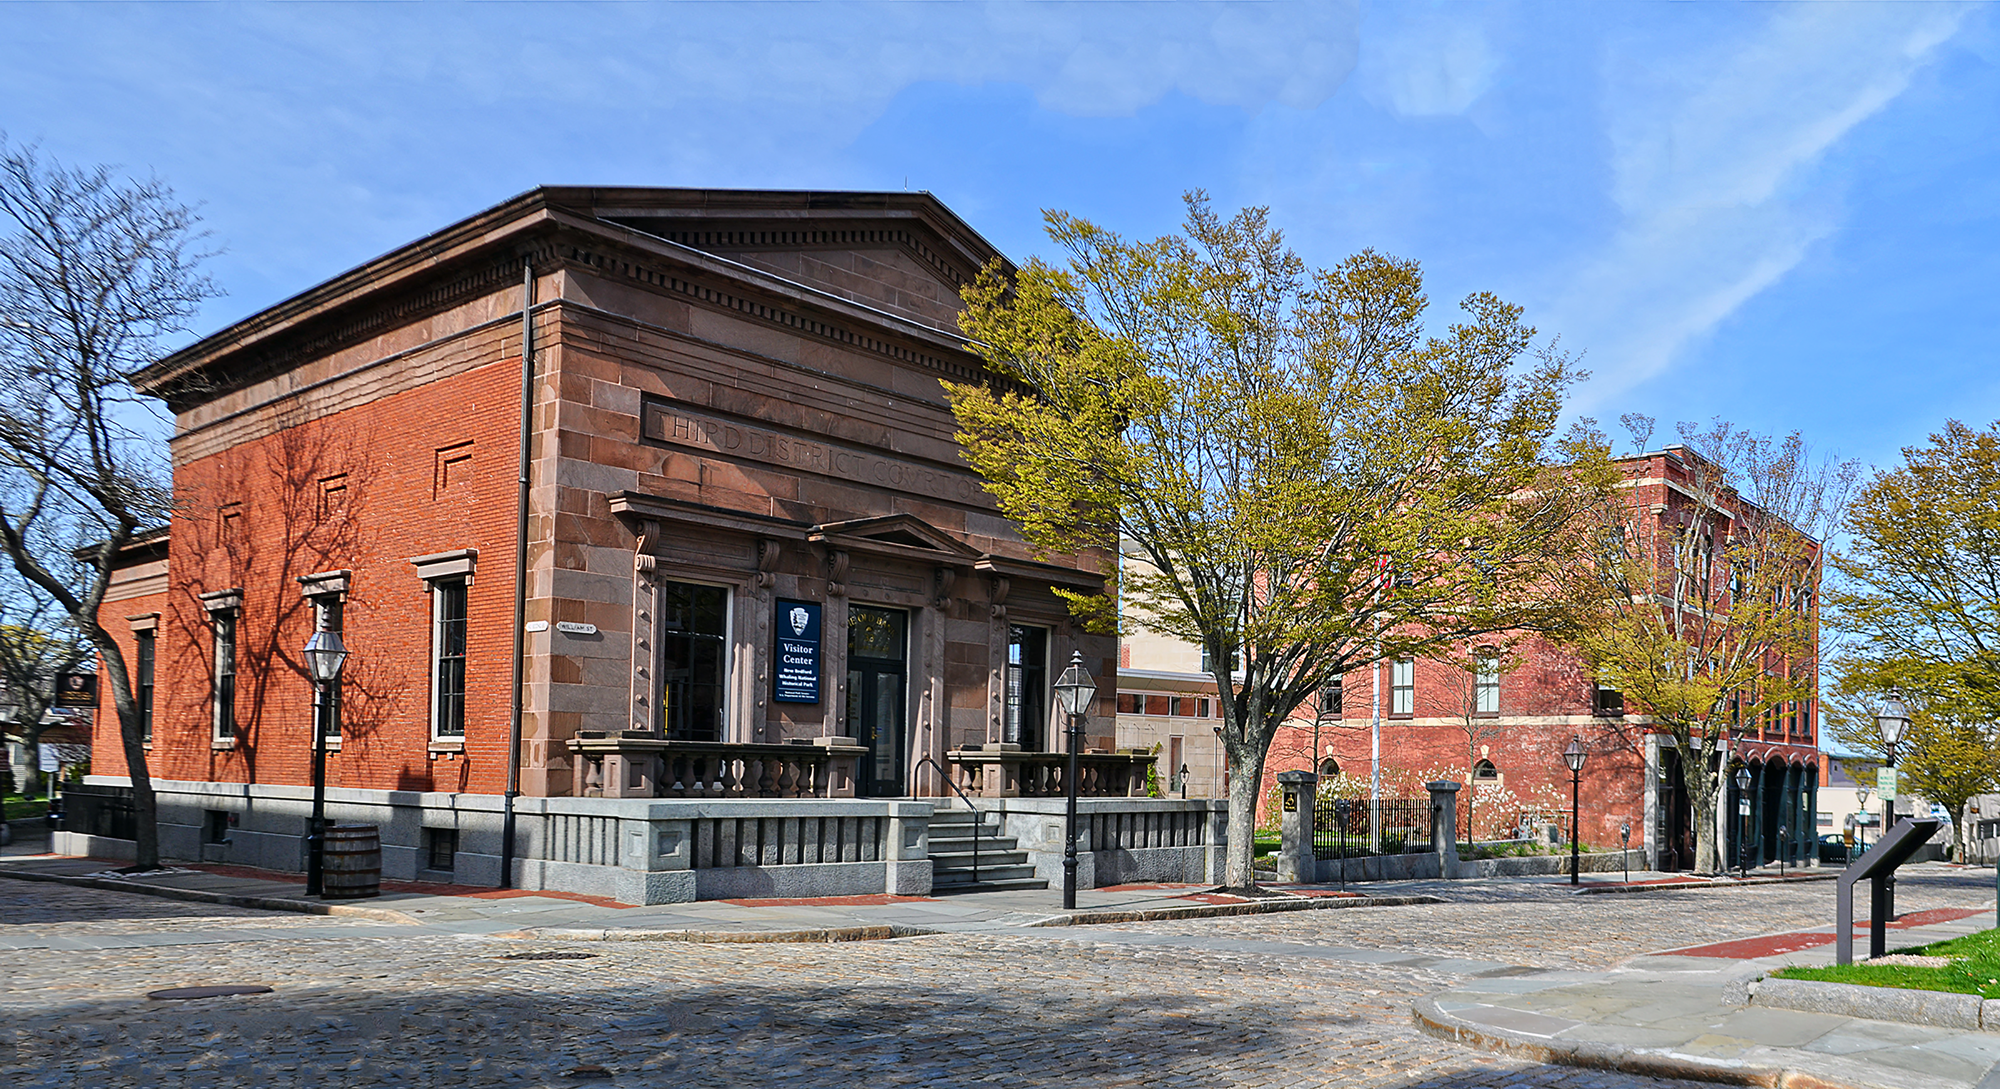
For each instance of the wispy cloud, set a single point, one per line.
(1714, 158)
(1426, 62)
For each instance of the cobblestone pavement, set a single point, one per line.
(1233, 1002)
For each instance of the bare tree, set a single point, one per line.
(37, 645)
(96, 271)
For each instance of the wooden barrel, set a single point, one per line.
(352, 862)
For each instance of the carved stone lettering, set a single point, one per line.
(663, 422)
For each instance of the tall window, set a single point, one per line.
(328, 615)
(1486, 685)
(1329, 698)
(1403, 687)
(1026, 708)
(146, 648)
(448, 600)
(694, 634)
(223, 696)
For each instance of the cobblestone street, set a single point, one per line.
(1239, 1001)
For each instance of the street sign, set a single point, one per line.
(1885, 784)
(76, 690)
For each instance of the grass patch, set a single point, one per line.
(1975, 968)
(16, 807)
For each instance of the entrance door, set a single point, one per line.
(878, 696)
(1676, 830)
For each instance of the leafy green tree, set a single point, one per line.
(1919, 590)
(1713, 622)
(1314, 482)
(96, 273)
(1918, 602)
(1943, 757)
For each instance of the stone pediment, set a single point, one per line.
(901, 535)
(900, 253)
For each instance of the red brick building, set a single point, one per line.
(752, 551)
(1503, 730)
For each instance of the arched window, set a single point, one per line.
(1328, 768)
(1485, 772)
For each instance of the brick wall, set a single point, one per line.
(399, 466)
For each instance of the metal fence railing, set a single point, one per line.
(1350, 827)
(99, 811)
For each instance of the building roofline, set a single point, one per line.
(523, 219)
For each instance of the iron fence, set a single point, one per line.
(1350, 827)
(99, 811)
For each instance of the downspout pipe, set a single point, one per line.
(520, 574)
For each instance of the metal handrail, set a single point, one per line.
(978, 819)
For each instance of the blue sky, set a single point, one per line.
(1787, 215)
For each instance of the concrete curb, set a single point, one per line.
(1214, 911)
(1433, 1021)
(1939, 1009)
(203, 896)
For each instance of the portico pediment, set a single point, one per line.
(902, 536)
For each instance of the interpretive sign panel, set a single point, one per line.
(796, 679)
(76, 690)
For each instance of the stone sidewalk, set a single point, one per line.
(1691, 1013)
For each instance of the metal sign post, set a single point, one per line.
(1879, 868)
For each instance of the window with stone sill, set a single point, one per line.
(448, 645)
(1486, 684)
(148, 648)
(222, 693)
(1403, 687)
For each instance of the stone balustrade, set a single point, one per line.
(639, 764)
(1003, 771)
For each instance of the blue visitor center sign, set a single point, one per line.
(796, 679)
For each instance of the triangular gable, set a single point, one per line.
(900, 534)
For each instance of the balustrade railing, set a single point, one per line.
(1007, 773)
(636, 764)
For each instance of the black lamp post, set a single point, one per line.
(1074, 691)
(1574, 756)
(1891, 721)
(1743, 810)
(325, 654)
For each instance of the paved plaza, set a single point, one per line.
(1306, 998)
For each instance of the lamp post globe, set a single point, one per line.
(325, 656)
(1074, 691)
(1574, 756)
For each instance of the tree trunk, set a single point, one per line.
(1246, 782)
(146, 834)
(1708, 839)
(146, 821)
